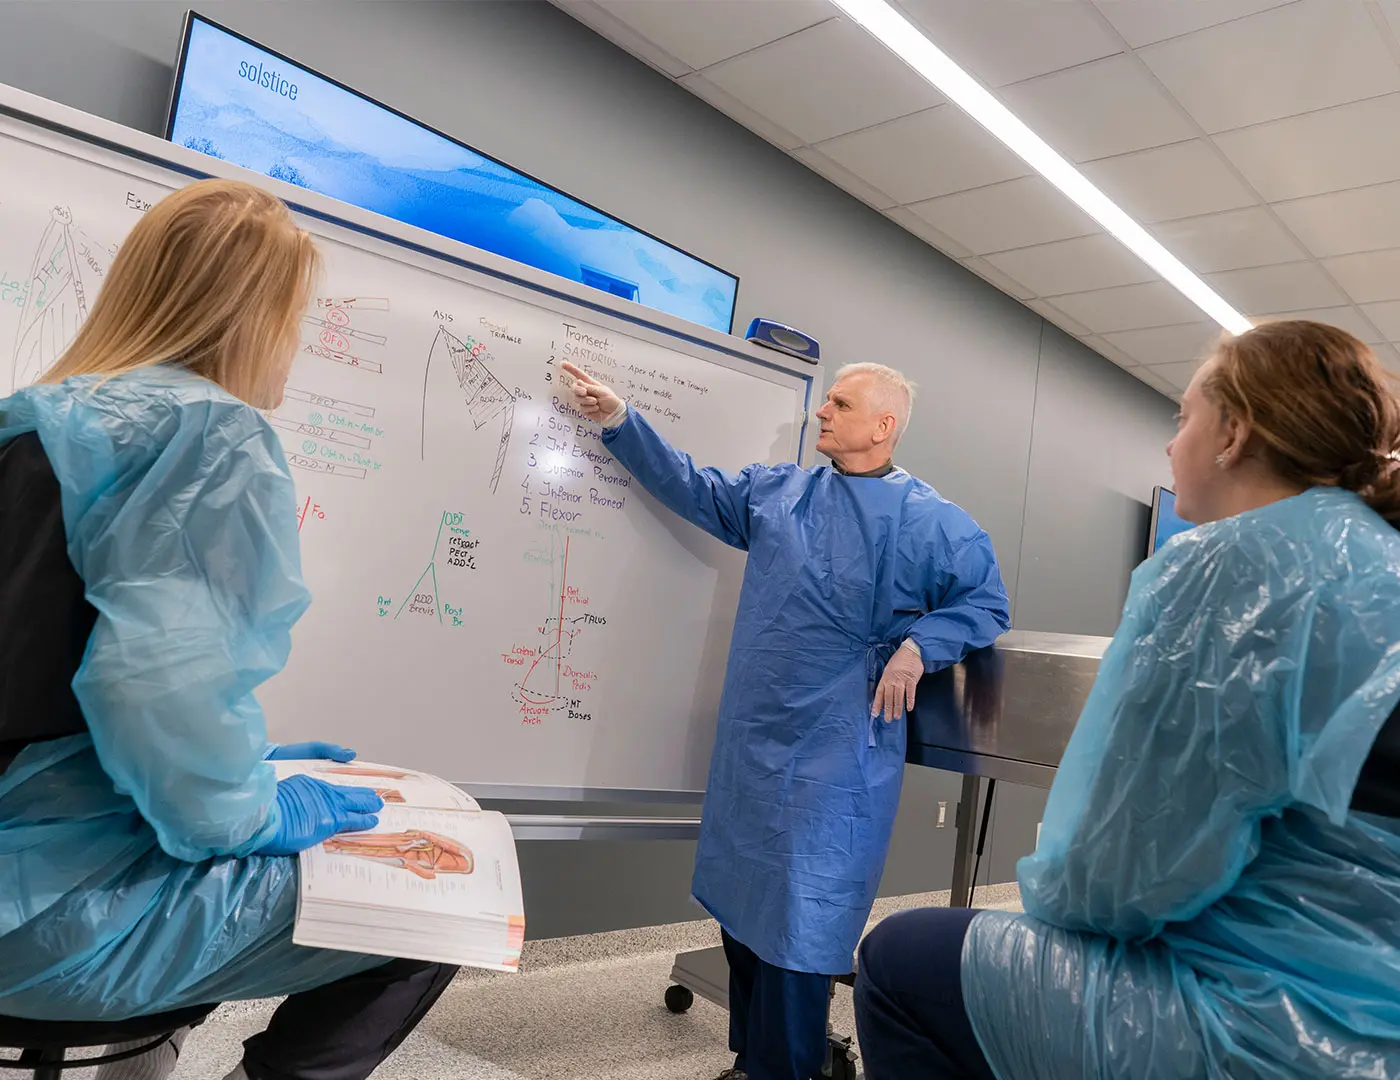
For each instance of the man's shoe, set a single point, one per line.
(732, 1074)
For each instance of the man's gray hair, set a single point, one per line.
(892, 392)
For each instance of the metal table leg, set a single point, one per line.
(965, 851)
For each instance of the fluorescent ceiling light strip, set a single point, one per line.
(908, 43)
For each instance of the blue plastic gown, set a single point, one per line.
(803, 782)
(1203, 903)
(126, 883)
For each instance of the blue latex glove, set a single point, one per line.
(306, 751)
(312, 810)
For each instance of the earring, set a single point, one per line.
(1220, 460)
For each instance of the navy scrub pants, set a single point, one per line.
(777, 1018)
(910, 1016)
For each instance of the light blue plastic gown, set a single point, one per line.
(1202, 903)
(126, 884)
(803, 783)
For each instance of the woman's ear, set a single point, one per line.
(1237, 437)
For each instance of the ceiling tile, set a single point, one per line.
(1167, 344)
(1386, 316)
(1071, 266)
(1019, 213)
(1282, 62)
(1006, 41)
(1098, 110)
(934, 152)
(1369, 277)
(824, 81)
(1152, 379)
(1047, 310)
(1322, 151)
(1109, 351)
(990, 274)
(844, 178)
(1229, 241)
(1141, 22)
(902, 215)
(1348, 318)
(703, 32)
(620, 34)
(1182, 180)
(1343, 222)
(1285, 287)
(1178, 376)
(737, 110)
(1129, 307)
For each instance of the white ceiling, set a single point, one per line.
(1257, 139)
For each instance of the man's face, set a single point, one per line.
(849, 422)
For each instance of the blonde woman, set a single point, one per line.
(149, 580)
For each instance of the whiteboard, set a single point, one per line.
(494, 598)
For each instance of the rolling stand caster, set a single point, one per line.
(679, 999)
(840, 1059)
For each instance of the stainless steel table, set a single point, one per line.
(1004, 714)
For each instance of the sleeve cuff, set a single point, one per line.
(913, 646)
(615, 420)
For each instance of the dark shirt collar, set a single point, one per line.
(873, 474)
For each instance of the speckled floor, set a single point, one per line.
(583, 1008)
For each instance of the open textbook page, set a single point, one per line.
(396, 786)
(437, 879)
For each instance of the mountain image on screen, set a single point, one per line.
(334, 142)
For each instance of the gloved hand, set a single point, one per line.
(900, 680)
(304, 751)
(312, 810)
(596, 401)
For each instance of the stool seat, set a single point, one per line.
(44, 1043)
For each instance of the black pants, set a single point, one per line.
(777, 1018)
(909, 1003)
(343, 1030)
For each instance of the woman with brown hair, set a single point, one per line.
(1216, 892)
(149, 581)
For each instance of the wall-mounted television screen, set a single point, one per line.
(236, 100)
(1165, 523)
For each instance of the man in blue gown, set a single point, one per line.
(860, 579)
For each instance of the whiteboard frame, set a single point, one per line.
(52, 125)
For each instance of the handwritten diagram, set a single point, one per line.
(551, 683)
(425, 597)
(326, 435)
(486, 397)
(334, 332)
(67, 271)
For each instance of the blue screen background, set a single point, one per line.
(1168, 524)
(339, 144)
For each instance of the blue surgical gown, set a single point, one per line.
(803, 783)
(1203, 903)
(127, 883)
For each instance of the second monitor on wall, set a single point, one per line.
(1165, 523)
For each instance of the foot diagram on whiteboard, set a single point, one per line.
(553, 680)
(327, 435)
(455, 550)
(67, 271)
(424, 854)
(483, 394)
